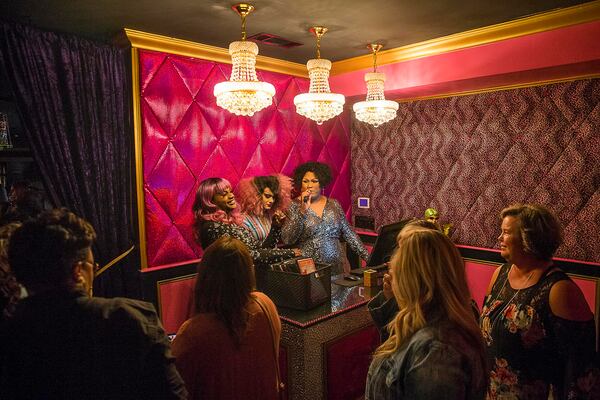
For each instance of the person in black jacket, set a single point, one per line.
(61, 342)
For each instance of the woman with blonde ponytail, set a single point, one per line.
(435, 349)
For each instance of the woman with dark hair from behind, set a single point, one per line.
(263, 201)
(216, 214)
(538, 329)
(226, 350)
(316, 223)
(435, 349)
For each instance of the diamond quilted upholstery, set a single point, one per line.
(187, 138)
(471, 156)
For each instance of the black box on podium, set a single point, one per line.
(293, 289)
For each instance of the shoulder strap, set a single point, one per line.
(280, 385)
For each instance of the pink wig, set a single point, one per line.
(250, 193)
(205, 210)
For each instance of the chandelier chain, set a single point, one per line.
(243, 15)
(318, 46)
(374, 60)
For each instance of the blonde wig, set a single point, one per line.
(429, 284)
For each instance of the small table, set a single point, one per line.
(325, 352)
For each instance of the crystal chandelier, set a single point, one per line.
(376, 110)
(243, 94)
(319, 104)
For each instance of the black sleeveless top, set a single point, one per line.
(529, 348)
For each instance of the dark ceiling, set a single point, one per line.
(352, 23)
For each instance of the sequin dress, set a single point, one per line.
(319, 237)
(212, 230)
(529, 348)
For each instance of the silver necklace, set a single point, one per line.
(497, 317)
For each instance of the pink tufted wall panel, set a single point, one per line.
(187, 138)
(471, 156)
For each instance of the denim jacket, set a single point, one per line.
(437, 362)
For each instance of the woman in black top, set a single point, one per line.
(538, 329)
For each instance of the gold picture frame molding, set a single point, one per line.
(542, 22)
(154, 42)
(488, 89)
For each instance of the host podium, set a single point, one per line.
(325, 352)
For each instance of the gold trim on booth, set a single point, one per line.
(139, 165)
(499, 88)
(154, 42)
(165, 282)
(541, 22)
(597, 314)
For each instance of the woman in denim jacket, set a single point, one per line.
(435, 349)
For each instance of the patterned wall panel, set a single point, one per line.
(470, 156)
(187, 138)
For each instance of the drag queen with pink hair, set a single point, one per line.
(263, 201)
(216, 214)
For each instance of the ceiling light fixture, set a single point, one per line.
(243, 94)
(319, 104)
(376, 110)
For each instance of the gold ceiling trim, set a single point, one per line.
(154, 42)
(499, 88)
(541, 22)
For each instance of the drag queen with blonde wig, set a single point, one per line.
(263, 201)
(435, 349)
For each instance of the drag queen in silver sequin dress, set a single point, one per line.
(316, 223)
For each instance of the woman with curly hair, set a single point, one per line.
(263, 201)
(216, 215)
(435, 349)
(316, 223)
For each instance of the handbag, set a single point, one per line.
(280, 385)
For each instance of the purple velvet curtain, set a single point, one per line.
(74, 99)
